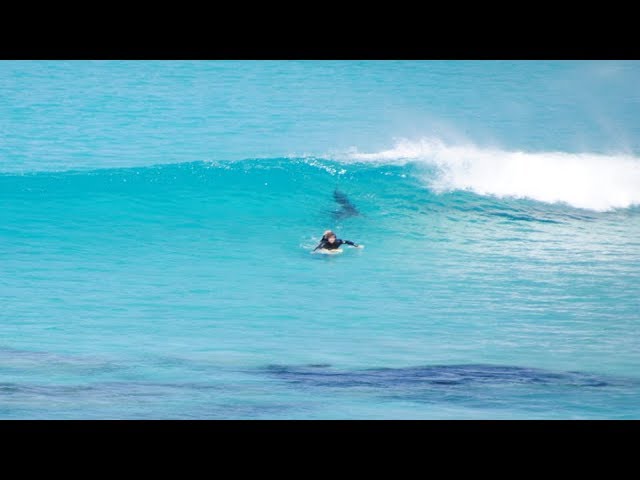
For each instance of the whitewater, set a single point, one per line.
(582, 180)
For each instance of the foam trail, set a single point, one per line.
(583, 180)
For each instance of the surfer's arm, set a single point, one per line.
(349, 242)
(320, 245)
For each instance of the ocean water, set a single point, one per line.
(157, 218)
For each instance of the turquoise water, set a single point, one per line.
(156, 222)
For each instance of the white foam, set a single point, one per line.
(591, 181)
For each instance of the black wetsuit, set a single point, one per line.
(324, 243)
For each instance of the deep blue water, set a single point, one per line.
(157, 218)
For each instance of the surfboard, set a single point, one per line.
(324, 251)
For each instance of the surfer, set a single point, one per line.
(330, 242)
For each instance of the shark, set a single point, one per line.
(347, 209)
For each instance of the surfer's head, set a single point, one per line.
(329, 236)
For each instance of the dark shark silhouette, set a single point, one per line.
(347, 209)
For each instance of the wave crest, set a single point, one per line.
(583, 180)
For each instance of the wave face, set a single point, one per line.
(591, 181)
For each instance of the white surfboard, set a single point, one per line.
(325, 251)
